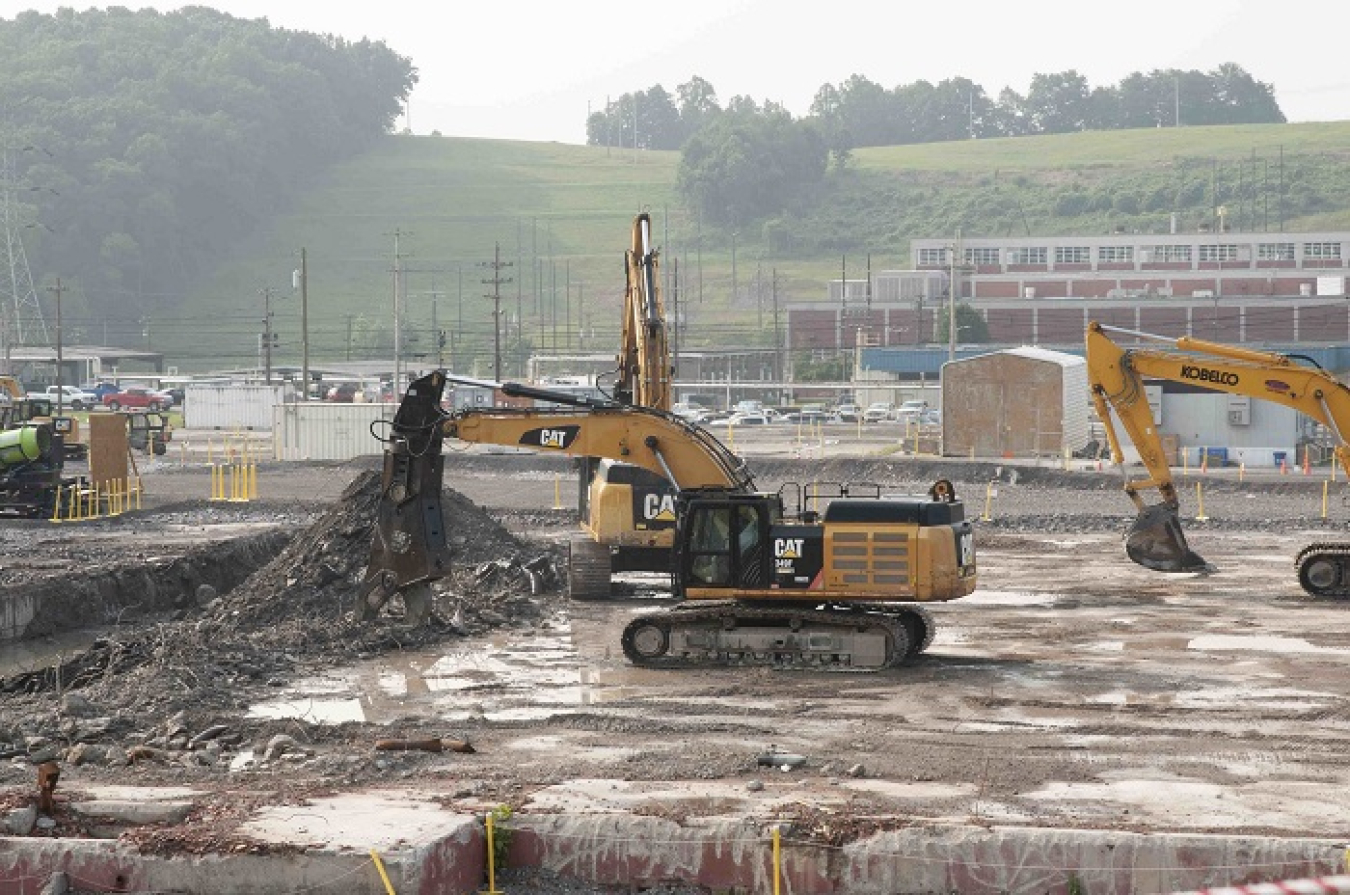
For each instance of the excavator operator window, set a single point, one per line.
(710, 546)
(719, 560)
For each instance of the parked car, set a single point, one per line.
(99, 389)
(876, 413)
(70, 396)
(748, 419)
(343, 392)
(848, 413)
(931, 417)
(910, 411)
(138, 398)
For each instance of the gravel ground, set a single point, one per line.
(1067, 656)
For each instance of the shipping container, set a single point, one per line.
(233, 406)
(321, 430)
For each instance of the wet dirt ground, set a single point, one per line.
(1073, 689)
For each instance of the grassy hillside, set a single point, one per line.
(561, 215)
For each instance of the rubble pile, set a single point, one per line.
(296, 613)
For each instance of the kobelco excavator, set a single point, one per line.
(764, 578)
(1116, 380)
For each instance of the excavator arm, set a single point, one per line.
(644, 356)
(1116, 380)
(410, 549)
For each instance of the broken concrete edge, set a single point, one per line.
(733, 854)
(718, 854)
(454, 862)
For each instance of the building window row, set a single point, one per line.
(933, 257)
(1322, 250)
(1168, 253)
(1275, 251)
(1027, 255)
(1218, 253)
(982, 257)
(988, 256)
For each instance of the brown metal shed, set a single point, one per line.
(1023, 402)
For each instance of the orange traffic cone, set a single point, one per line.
(1284, 466)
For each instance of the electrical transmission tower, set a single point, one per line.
(20, 310)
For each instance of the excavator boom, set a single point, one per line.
(644, 356)
(1116, 381)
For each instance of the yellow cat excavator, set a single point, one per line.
(765, 578)
(627, 513)
(1116, 381)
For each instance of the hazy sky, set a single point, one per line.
(531, 69)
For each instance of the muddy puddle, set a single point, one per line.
(516, 676)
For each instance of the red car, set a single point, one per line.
(138, 398)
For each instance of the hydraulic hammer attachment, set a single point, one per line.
(1156, 542)
(409, 549)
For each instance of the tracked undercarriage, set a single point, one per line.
(1324, 570)
(833, 637)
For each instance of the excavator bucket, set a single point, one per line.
(1156, 541)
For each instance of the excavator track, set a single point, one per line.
(1324, 570)
(833, 638)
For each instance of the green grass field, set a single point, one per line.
(560, 216)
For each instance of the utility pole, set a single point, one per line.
(952, 288)
(266, 293)
(398, 313)
(496, 282)
(303, 277)
(60, 392)
(777, 332)
(675, 315)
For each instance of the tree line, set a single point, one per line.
(746, 160)
(137, 145)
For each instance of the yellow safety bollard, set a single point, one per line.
(1324, 500)
(557, 492)
(492, 858)
(253, 481)
(990, 492)
(1200, 503)
(56, 505)
(140, 489)
(777, 859)
(1242, 471)
(379, 868)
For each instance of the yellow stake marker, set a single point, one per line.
(492, 859)
(379, 866)
(1200, 502)
(777, 859)
(1324, 500)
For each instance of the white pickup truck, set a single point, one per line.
(70, 396)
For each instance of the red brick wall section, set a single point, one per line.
(1061, 325)
(1011, 325)
(1162, 320)
(1270, 323)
